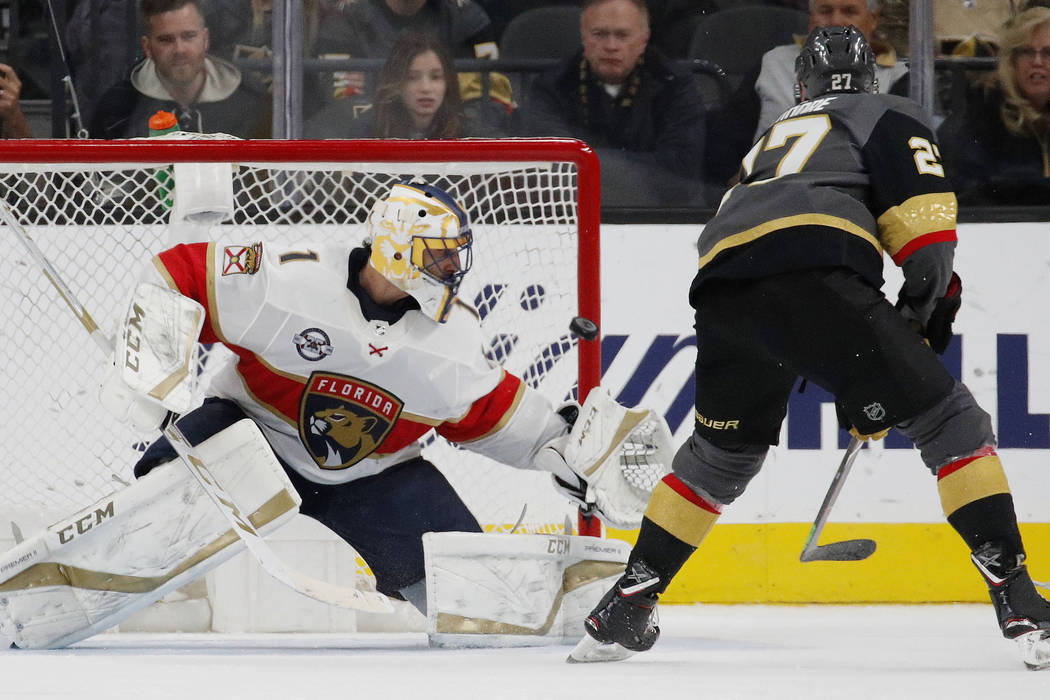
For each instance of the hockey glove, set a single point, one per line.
(872, 436)
(845, 424)
(939, 327)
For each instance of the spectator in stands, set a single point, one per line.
(644, 117)
(15, 124)
(776, 77)
(205, 92)
(417, 97)
(249, 24)
(998, 147)
(101, 44)
(369, 28)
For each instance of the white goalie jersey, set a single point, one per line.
(339, 396)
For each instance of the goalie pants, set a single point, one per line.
(383, 517)
(756, 337)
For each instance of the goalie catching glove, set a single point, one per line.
(611, 459)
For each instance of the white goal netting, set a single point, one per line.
(98, 219)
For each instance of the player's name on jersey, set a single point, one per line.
(807, 107)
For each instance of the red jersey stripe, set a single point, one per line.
(922, 241)
(958, 464)
(688, 494)
(187, 266)
(488, 414)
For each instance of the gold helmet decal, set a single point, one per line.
(422, 243)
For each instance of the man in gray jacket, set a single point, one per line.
(178, 75)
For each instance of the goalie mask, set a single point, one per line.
(421, 242)
(835, 59)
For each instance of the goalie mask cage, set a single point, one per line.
(100, 210)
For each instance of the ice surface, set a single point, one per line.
(706, 652)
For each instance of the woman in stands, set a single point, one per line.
(998, 148)
(416, 96)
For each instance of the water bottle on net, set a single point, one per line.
(161, 124)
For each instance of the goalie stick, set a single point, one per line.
(847, 550)
(322, 591)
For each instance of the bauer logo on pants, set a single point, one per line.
(342, 419)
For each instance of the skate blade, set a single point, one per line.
(590, 650)
(1035, 649)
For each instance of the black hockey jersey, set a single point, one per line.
(832, 183)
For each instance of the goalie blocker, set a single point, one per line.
(97, 567)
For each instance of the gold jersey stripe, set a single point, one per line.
(753, 234)
(502, 423)
(674, 513)
(915, 217)
(980, 478)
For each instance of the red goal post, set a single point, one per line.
(99, 209)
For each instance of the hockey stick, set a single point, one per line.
(318, 590)
(103, 342)
(847, 550)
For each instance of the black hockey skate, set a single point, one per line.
(624, 621)
(1024, 615)
(1019, 607)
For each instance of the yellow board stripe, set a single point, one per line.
(913, 563)
(674, 513)
(980, 478)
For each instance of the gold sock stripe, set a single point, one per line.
(682, 518)
(978, 478)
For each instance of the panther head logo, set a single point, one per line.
(343, 419)
(346, 434)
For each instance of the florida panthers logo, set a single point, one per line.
(342, 420)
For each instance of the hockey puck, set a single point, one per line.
(584, 327)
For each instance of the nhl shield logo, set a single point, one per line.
(342, 419)
(874, 411)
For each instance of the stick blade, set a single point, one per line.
(847, 550)
(590, 650)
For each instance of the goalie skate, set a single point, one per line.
(1035, 649)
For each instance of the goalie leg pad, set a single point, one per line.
(97, 567)
(496, 590)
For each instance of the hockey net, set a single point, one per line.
(100, 210)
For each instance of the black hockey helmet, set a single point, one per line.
(835, 59)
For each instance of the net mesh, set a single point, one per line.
(98, 224)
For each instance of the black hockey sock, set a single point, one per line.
(988, 519)
(661, 551)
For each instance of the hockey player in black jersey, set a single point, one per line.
(789, 285)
